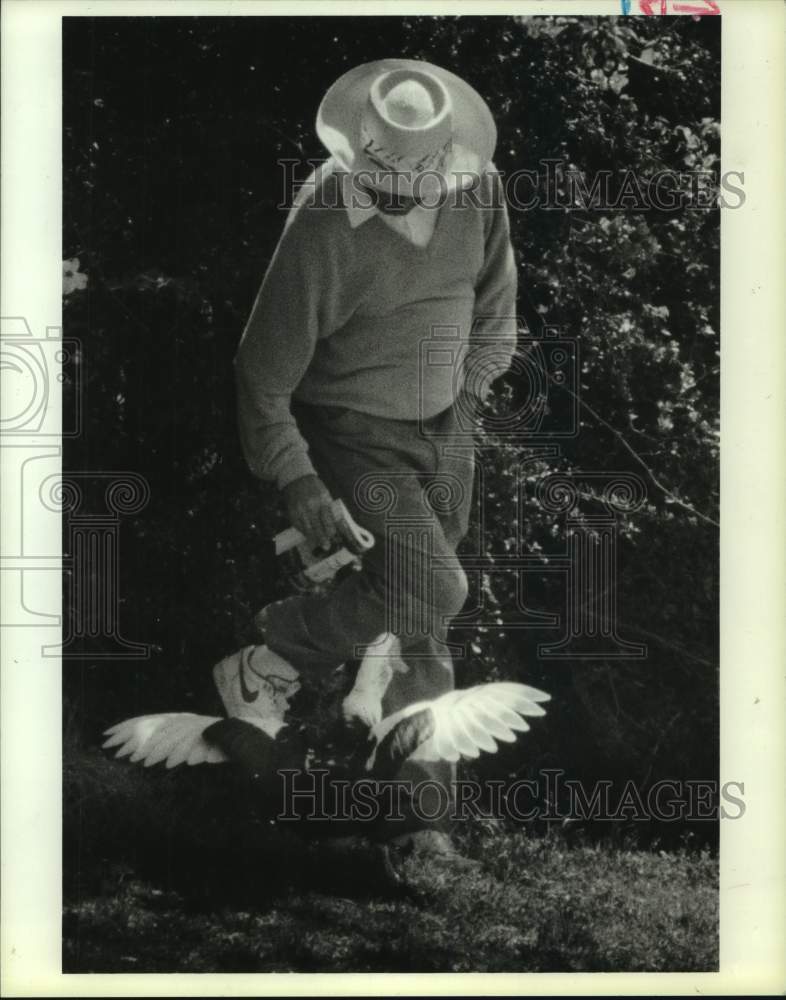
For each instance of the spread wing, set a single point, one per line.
(466, 723)
(174, 737)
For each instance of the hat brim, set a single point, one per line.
(339, 118)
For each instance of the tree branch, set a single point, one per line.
(632, 451)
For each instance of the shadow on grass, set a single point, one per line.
(193, 831)
(173, 872)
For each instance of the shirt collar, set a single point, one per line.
(417, 225)
(358, 206)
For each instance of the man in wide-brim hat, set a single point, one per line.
(396, 245)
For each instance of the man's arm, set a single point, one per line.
(291, 310)
(493, 336)
(275, 351)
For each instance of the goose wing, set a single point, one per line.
(172, 737)
(458, 724)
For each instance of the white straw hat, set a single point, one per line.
(406, 125)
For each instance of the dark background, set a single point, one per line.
(172, 132)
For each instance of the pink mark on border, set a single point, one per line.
(696, 9)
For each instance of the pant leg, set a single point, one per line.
(416, 504)
(430, 663)
(378, 468)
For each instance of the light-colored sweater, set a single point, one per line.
(346, 316)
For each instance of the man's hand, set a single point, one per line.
(309, 507)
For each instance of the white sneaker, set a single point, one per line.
(256, 683)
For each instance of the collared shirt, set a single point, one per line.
(417, 225)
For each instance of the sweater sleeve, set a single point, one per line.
(275, 351)
(494, 327)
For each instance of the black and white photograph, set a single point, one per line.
(387, 467)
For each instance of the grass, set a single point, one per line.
(166, 872)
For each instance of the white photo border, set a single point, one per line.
(753, 533)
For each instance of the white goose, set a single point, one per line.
(458, 724)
